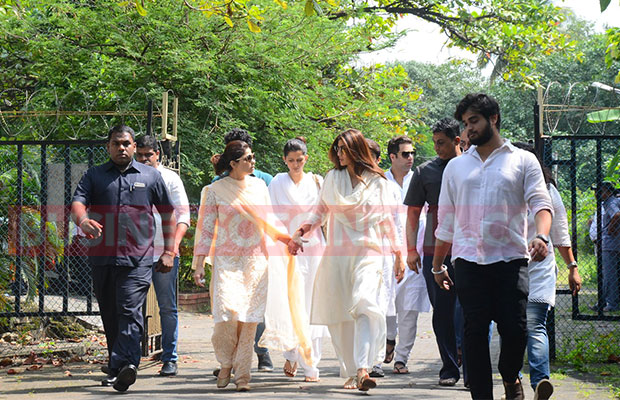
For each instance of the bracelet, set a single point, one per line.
(170, 253)
(301, 229)
(571, 265)
(443, 269)
(81, 220)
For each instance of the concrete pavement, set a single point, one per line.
(81, 380)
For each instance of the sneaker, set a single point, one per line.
(377, 372)
(264, 363)
(544, 390)
(169, 369)
(514, 391)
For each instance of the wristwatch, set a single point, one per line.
(544, 238)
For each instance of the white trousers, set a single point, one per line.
(353, 342)
(311, 371)
(407, 330)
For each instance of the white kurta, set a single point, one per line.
(411, 293)
(349, 276)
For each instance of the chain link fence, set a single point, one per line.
(45, 282)
(584, 328)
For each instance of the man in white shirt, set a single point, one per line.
(166, 284)
(483, 203)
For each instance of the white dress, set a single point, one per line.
(350, 274)
(293, 204)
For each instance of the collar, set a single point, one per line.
(132, 165)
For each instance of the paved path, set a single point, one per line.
(195, 380)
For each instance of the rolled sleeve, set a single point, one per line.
(446, 209)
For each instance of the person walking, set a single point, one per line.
(113, 205)
(165, 285)
(482, 215)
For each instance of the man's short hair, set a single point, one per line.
(238, 134)
(394, 143)
(147, 141)
(121, 129)
(449, 126)
(479, 103)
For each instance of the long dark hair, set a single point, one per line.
(546, 171)
(296, 144)
(358, 152)
(233, 151)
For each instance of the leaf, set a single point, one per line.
(68, 373)
(139, 8)
(253, 27)
(34, 367)
(13, 371)
(604, 4)
(228, 21)
(282, 3)
(309, 8)
(606, 115)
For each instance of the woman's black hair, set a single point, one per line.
(233, 151)
(296, 144)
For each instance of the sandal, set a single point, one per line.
(311, 379)
(290, 370)
(390, 346)
(365, 383)
(400, 368)
(350, 383)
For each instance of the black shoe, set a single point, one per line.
(168, 369)
(514, 391)
(105, 369)
(264, 363)
(216, 372)
(377, 372)
(125, 378)
(108, 381)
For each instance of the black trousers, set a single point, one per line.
(495, 292)
(121, 292)
(444, 302)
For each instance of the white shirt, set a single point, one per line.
(406, 181)
(483, 205)
(179, 200)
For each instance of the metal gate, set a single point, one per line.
(577, 152)
(44, 271)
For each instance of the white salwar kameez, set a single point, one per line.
(350, 274)
(293, 203)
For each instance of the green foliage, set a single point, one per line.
(294, 78)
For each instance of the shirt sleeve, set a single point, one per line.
(160, 197)
(446, 207)
(559, 227)
(536, 193)
(82, 192)
(179, 199)
(205, 227)
(593, 227)
(415, 194)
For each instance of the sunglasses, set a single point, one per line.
(338, 149)
(248, 158)
(407, 154)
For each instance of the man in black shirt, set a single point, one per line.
(424, 188)
(113, 206)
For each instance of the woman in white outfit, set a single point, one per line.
(349, 276)
(294, 194)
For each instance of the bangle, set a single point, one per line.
(571, 265)
(443, 269)
(170, 253)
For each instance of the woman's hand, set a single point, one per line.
(199, 276)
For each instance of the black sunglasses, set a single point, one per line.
(248, 158)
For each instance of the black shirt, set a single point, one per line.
(424, 188)
(123, 203)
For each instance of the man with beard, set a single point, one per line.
(483, 204)
(113, 206)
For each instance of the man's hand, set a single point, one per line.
(199, 276)
(91, 228)
(413, 261)
(538, 249)
(165, 263)
(574, 281)
(399, 268)
(443, 279)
